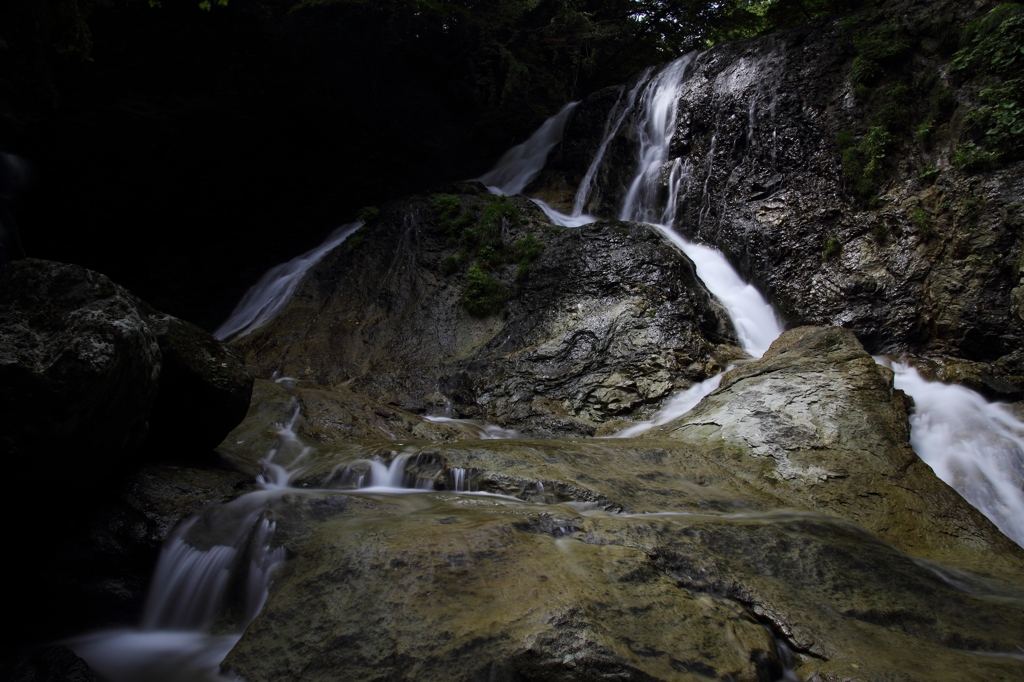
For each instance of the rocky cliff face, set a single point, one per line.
(915, 253)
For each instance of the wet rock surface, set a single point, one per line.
(819, 424)
(609, 321)
(788, 506)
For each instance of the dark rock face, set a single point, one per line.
(929, 266)
(204, 387)
(86, 367)
(79, 365)
(53, 664)
(610, 320)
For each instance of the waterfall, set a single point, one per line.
(656, 125)
(611, 129)
(973, 445)
(521, 164)
(753, 317)
(264, 299)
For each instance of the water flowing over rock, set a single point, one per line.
(819, 423)
(753, 168)
(564, 558)
(416, 492)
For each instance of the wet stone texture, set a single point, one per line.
(787, 507)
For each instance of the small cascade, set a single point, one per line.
(785, 655)
(677, 406)
(263, 559)
(476, 429)
(459, 480)
(288, 445)
(187, 595)
(612, 125)
(561, 219)
(752, 316)
(521, 164)
(975, 446)
(658, 108)
(261, 302)
(374, 475)
(705, 197)
(188, 585)
(678, 176)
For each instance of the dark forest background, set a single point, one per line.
(183, 147)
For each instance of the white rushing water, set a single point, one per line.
(975, 446)
(648, 202)
(264, 299)
(476, 429)
(652, 102)
(521, 164)
(656, 124)
(618, 114)
(677, 406)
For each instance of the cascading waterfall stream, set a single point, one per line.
(174, 642)
(611, 128)
(656, 124)
(975, 446)
(521, 164)
(264, 299)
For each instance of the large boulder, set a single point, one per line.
(88, 371)
(79, 367)
(818, 423)
(600, 322)
(204, 388)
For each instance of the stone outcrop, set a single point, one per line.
(610, 320)
(818, 423)
(79, 367)
(93, 384)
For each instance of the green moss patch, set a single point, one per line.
(478, 230)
